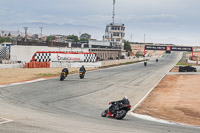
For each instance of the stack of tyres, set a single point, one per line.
(187, 69)
(181, 69)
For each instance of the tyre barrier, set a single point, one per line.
(187, 69)
(34, 64)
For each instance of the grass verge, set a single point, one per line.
(183, 64)
(126, 63)
(47, 74)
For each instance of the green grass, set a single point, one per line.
(183, 59)
(164, 55)
(47, 74)
(182, 64)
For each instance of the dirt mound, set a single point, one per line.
(176, 98)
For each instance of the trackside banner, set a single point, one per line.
(168, 48)
(67, 57)
(151, 47)
(177, 48)
(63, 56)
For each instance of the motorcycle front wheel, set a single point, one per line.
(104, 113)
(61, 78)
(120, 114)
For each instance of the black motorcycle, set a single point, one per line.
(62, 76)
(145, 63)
(116, 110)
(156, 60)
(81, 74)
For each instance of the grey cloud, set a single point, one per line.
(160, 19)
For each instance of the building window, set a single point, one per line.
(115, 34)
(115, 28)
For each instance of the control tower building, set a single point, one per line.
(115, 32)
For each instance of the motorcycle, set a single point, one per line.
(156, 60)
(120, 113)
(145, 63)
(81, 74)
(62, 76)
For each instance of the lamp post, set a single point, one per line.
(41, 32)
(25, 28)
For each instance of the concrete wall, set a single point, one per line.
(74, 64)
(25, 53)
(115, 62)
(102, 43)
(5, 66)
(77, 64)
(193, 61)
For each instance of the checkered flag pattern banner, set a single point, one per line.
(4, 53)
(42, 57)
(89, 58)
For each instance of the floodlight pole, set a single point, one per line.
(25, 28)
(41, 32)
(192, 53)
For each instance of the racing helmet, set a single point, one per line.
(125, 97)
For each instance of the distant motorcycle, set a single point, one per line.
(156, 60)
(81, 74)
(119, 113)
(145, 63)
(62, 76)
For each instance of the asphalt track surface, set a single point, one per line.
(75, 105)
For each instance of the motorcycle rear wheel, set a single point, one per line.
(81, 76)
(120, 114)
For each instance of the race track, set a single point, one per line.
(75, 105)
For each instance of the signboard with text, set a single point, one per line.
(179, 48)
(151, 47)
(168, 48)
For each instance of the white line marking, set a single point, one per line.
(26, 82)
(149, 118)
(146, 117)
(6, 120)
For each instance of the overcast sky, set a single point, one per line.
(162, 21)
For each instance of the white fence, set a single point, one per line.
(5, 66)
(193, 61)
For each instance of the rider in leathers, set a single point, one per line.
(66, 71)
(116, 104)
(82, 69)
